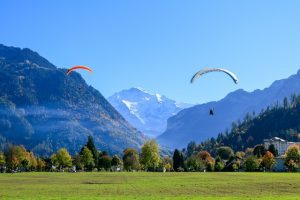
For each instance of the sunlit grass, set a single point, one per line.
(150, 186)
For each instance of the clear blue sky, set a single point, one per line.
(159, 45)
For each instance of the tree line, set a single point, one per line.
(191, 159)
(18, 159)
(255, 159)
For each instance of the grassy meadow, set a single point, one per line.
(141, 185)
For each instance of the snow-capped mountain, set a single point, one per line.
(145, 111)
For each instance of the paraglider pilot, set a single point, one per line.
(211, 111)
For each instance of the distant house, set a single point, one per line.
(280, 144)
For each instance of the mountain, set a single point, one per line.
(43, 109)
(282, 120)
(147, 112)
(195, 124)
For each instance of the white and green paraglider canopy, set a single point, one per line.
(208, 70)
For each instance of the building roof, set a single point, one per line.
(275, 139)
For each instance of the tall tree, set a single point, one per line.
(150, 155)
(167, 163)
(16, 157)
(259, 151)
(268, 160)
(32, 161)
(207, 160)
(41, 164)
(62, 158)
(104, 162)
(177, 160)
(131, 159)
(285, 102)
(77, 161)
(91, 146)
(191, 148)
(2, 162)
(87, 159)
(116, 161)
(292, 158)
(219, 164)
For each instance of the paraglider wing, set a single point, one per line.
(200, 73)
(78, 67)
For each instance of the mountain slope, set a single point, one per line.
(43, 109)
(282, 121)
(195, 124)
(147, 112)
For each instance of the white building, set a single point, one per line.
(280, 144)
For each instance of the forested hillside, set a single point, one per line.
(44, 109)
(281, 120)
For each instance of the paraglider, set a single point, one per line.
(204, 71)
(78, 67)
(207, 70)
(211, 111)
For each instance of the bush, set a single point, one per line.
(251, 164)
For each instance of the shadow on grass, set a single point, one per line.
(100, 183)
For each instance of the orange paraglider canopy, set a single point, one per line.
(78, 67)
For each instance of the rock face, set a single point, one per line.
(147, 112)
(43, 109)
(195, 123)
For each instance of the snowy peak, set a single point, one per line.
(135, 94)
(146, 111)
(133, 109)
(158, 97)
(129, 105)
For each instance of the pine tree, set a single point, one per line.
(177, 160)
(91, 146)
(191, 148)
(87, 159)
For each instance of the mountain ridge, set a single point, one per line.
(44, 109)
(195, 124)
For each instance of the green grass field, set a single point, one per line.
(150, 186)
